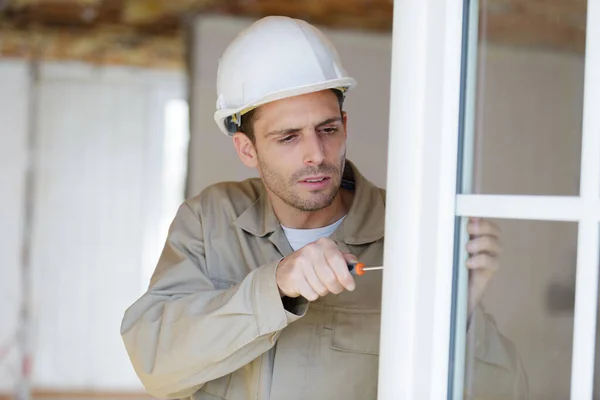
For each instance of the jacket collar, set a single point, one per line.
(363, 224)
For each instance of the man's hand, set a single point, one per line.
(314, 271)
(484, 249)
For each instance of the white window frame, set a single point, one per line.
(422, 205)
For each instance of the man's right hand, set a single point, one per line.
(315, 270)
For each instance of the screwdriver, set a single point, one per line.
(360, 268)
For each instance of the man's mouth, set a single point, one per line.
(315, 180)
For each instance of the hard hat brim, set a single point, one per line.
(221, 115)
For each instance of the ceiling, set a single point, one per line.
(151, 32)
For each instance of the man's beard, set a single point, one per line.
(285, 188)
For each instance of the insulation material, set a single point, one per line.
(106, 46)
(149, 11)
(26, 3)
(148, 32)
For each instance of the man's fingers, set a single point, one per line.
(314, 281)
(339, 265)
(325, 272)
(337, 272)
(327, 276)
(484, 244)
(350, 258)
(483, 261)
(314, 271)
(480, 226)
(306, 290)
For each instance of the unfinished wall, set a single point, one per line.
(99, 215)
(13, 158)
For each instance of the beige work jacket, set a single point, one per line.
(212, 324)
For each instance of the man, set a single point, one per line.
(252, 297)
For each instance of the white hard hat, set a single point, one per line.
(276, 57)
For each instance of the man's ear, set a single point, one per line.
(345, 122)
(245, 149)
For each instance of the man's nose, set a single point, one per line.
(314, 153)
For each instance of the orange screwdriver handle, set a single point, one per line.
(356, 269)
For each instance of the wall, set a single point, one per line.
(98, 216)
(528, 142)
(13, 158)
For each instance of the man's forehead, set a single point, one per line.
(306, 109)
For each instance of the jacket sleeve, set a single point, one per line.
(184, 332)
(494, 369)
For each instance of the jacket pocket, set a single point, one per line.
(356, 332)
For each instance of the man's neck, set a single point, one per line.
(291, 217)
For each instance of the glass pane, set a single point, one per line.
(525, 97)
(520, 332)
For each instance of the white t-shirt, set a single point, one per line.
(299, 238)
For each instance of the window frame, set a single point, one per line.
(423, 214)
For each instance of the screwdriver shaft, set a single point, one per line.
(372, 268)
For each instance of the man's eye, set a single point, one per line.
(287, 139)
(331, 129)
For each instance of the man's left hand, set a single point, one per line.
(483, 262)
